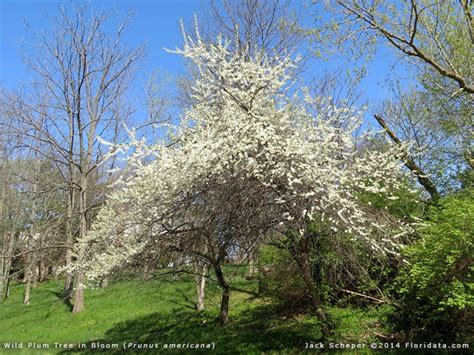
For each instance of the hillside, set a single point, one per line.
(162, 314)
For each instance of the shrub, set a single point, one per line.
(279, 278)
(435, 287)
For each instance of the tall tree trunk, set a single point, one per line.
(4, 244)
(79, 289)
(200, 271)
(30, 265)
(68, 285)
(8, 262)
(26, 295)
(25, 274)
(224, 310)
(39, 263)
(2, 278)
(32, 278)
(35, 275)
(43, 271)
(2, 265)
(79, 294)
(7, 289)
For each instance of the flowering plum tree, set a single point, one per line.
(248, 161)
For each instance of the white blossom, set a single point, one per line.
(295, 154)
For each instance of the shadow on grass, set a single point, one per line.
(242, 290)
(65, 297)
(188, 303)
(253, 331)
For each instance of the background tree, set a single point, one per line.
(82, 73)
(269, 26)
(436, 40)
(437, 36)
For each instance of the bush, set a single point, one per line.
(435, 287)
(337, 263)
(279, 278)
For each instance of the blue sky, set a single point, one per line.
(155, 23)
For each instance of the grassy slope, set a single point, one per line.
(162, 312)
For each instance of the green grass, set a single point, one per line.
(162, 312)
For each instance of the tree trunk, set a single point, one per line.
(252, 268)
(224, 310)
(200, 277)
(2, 265)
(26, 295)
(305, 268)
(35, 276)
(4, 244)
(36, 240)
(304, 264)
(8, 263)
(79, 289)
(7, 289)
(422, 177)
(79, 279)
(2, 279)
(29, 270)
(68, 285)
(79, 294)
(43, 271)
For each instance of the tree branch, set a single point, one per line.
(422, 178)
